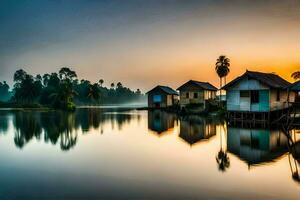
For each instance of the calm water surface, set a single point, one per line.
(102, 153)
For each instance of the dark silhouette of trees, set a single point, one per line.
(5, 94)
(27, 127)
(26, 88)
(94, 92)
(63, 90)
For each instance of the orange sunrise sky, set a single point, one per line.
(145, 43)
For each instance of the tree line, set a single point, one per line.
(63, 90)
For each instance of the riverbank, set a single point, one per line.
(20, 105)
(209, 111)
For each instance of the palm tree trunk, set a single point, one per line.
(220, 91)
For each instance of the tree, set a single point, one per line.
(119, 85)
(63, 97)
(138, 92)
(101, 81)
(296, 75)
(222, 69)
(112, 85)
(19, 75)
(67, 74)
(62, 90)
(4, 91)
(94, 92)
(26, 88)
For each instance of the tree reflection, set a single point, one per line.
(3, 122)
(293, 154)
(60, 127)
(27, 127)
(223, 160)
(222, 157)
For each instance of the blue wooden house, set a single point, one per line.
(162, 97)
(257, 92)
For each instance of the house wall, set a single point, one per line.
(208, 94)
(170, 100)
(191, 89)
(184, 101)
(166, 99)
(296, 96)
(163, 103)
(282, 103)
(237, 103)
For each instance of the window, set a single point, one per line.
(157, 98)
(187, 95)
(278, 95)
(195, 95)
(254, 96)
(244, 93)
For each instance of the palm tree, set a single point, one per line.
(101, 81)
(296, 75)
(222, 69)
(119, 85)
(112, 85)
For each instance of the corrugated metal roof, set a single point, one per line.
(269, 79)
(295, 86)
(202, 85)
(166, 89)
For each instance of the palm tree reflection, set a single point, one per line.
(293, 154)
(222, 157)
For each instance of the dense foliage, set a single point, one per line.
(63, 90)
(5, 94)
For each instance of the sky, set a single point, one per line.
(145, 43)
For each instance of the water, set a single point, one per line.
(103, 153)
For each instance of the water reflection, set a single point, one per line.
(4, 119)
(114, 145)
(59, 127)
(256, 146)
(194, 129)
(160, 122)
(294, 154)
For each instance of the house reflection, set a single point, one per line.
(194, 129)
(256, 146)
(160, 121)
